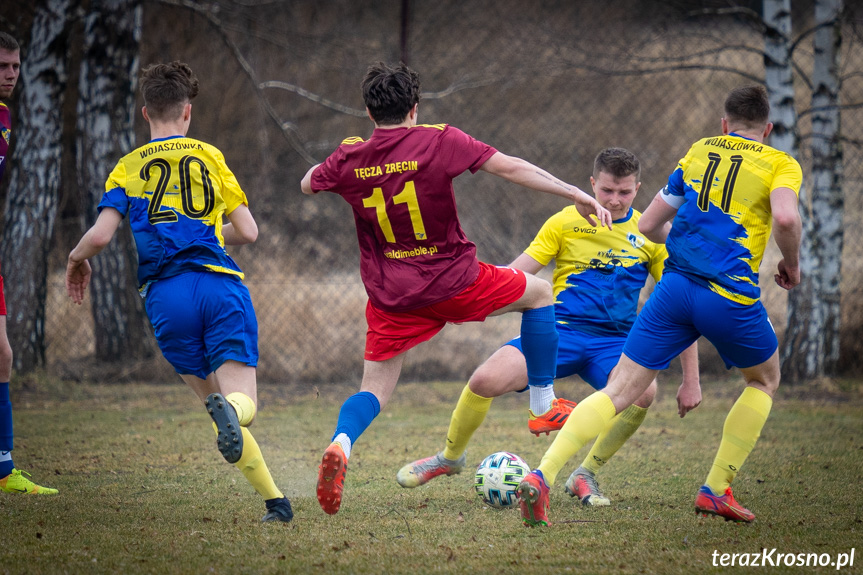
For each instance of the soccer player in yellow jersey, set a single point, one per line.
(724, 197)
(598, 276)
(175, 191)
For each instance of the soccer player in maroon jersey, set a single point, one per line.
(12, 480)
(419, 269)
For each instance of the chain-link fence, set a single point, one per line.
(551, 82)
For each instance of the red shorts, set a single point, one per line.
(391, 333)
(2, 298)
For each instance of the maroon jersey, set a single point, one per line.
(5, 133)
(413, 252)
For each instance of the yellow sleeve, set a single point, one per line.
(788, 175)
(546, 245)
(117, 177)
(657, 261)
(232, 193)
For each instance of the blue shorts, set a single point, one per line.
(203, 319)
(591, 357)
(680, 310)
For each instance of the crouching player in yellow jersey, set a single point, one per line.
(598, 275)
(175, 191)
(724, 197)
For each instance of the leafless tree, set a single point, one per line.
(31, 203)
(812, 335)
(106, 112)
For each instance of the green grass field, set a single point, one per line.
(143, 489)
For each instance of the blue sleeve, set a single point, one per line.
(116, 199)
(675, 183)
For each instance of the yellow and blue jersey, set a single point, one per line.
(598, 272)
(175, 192)
(722, 191)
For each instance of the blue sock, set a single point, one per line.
(541, 476)
(539, 344)
(6, 434)
(357, 414)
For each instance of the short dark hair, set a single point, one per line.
(618, 162)
(749, 106)
(8, 43)
(390, 92)
(167, 88)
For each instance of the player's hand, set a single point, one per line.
(592, 211)
(688, 398)
(788, 276)
(77, 278)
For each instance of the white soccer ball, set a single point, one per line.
(497, 478)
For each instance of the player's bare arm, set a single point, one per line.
(306, 182)
(78, 270)
(787, 229)
(523, 173)
(689, 392)
(242, 228)
(655, 222)
(527, 264)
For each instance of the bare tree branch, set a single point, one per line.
(851, 76)
(764, 28)
(288, 129)
(851, 106)
(718, 51)
(749, 15)
(313, 97)
(806, 33)
(256, 3)
(801, 73)
(663, 69)
(459, 86)
(853, 141)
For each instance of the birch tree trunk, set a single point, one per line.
(106, 111)
(785, 136)
(31, 203)
(811, 347)
(779, 78)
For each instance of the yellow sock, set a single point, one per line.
(467, 416)
(255, 469)
(587, 420)
(614, 436)
(244, 406)
(742, 429)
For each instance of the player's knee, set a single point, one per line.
(547, 294)
(772, 383)
(5, 360)
(765, 376)
(768, 385)
(484, 383)
(646, 399)
(480, 382)
(540, 293)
